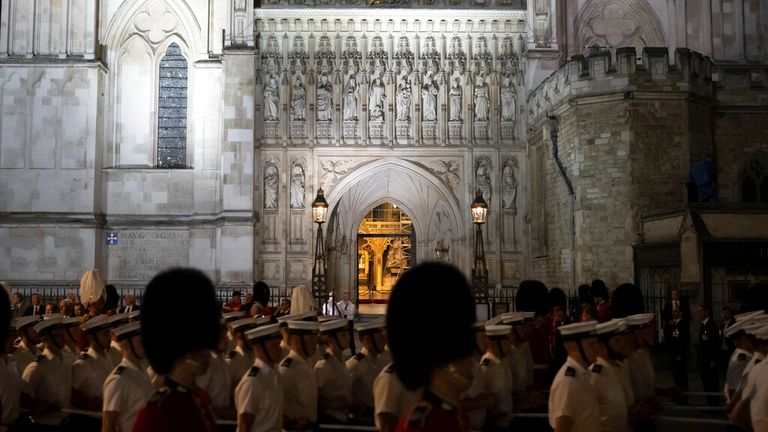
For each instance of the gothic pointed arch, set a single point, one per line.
(618, 23)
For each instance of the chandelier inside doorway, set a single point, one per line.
(384, 252)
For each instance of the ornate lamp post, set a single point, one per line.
(319, 216)
(479, 270)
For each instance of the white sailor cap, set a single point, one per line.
(762, 334)
(735, 328)
(307, 316)
(333, 325)
(296, 326)
(324, 318)
(72, 322)
(621, 324)
(748, 315)
(640, 320)
(134, 315)
(528, 315)
(263, 332)
(25, 321)
(493, 321)
(232, 316)
(577, 331)
(118, 319)
(608, 327)
(497, 330)
(479, 326)
(260, 321)
(48, 324)
(244, 324)
(127, 330)
(512, 318)
(754, 325)
(96, 323)
(369, 327)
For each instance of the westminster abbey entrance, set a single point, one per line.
(384, 251)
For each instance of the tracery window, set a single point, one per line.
(754, 179)
(172, 109)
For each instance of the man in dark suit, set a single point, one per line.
(707, 355)
(677, 345)
(36, 306)
(676, 303)
(129, 304)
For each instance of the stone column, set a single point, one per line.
(237, 170)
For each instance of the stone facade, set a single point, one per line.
(417, 103)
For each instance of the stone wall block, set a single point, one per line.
(626, 60)
(656, 61)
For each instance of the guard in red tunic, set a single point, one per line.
(430, 320)
(178, 348)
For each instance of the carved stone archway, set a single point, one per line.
(432, 205)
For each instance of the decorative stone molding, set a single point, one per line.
(618, 23)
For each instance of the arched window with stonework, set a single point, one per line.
(754, 179)
(172, 110)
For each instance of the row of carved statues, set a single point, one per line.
(483, 180)
(425, 89)
(325, 58)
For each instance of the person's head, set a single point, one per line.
(498, 339)
(92, 291)
(65, 307)
(585, 295)
(429, 324)
(238, 329)
(78, 310)
(372, 337)
(557, 298)
(643, 327)
(97, 330)
(726, 314)
(265, 341)
(612, 340)
(248, 298)
(35, 299)
(345, 296)
(129, 300)
(52, 334)
(112, 298)
(128, 336)
(302, 337)
(675, 294)
(236, 297)
(627, 300)
(261, 293)
(17, 299)
(179, 321)
(599, 290)
(335, 334)
(50, 308)
(533, 296)
(256, 309)
(706, 312)
(580, 341)
(285, 304)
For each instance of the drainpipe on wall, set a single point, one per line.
(553, 125)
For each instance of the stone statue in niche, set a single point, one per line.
(457, 60)
(297, 187)
(482, 59)
(298, 100)
(324, 99)
(271, 60)
(377, 58)
(508, 188)
(507, 101)
(350, 99)
(429, 91)
(271, 98)
(455, 100)
(298, 56)
(404, 56)
(404, 99)
(325, 57)
(483, 180)
(541, 23)
(270, 186)
(376, 100)
(431, 57)
(350, 56)
(481, 100)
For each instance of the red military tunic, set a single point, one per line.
(177, 407)
(433, 414)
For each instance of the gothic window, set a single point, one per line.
(754, 179)
(172, 110)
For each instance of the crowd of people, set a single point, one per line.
(429, 365)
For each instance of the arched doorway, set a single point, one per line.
(385, 249)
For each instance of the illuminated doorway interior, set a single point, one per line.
(384, 251)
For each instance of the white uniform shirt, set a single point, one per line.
(756, 392)
(49, 379)
(260, 393)
(736, 365)
(90, 371)
(478, 387)
(334, 386)
(10, 391)
(346, 309)
(610, 396)
(299, 388)
(23, 356)
(499, 381)
(757, 357)
(217, 382)
(391, 396)
(238, 362)
(363, 368)
(641, 375)
(126, 390)
(571, 395)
